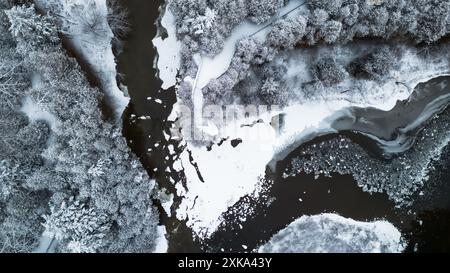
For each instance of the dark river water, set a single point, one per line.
(339, 194)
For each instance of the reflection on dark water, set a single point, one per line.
(430, 232)
(290, 198)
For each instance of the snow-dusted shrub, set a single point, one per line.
(373, 65)
(328, 71)
(273, 93)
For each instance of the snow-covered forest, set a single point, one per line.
(202, 27)
(67, 176)
(326, 89)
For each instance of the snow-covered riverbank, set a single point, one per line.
(262, 144)
(93, 46)
(218, 176)
(331, 233)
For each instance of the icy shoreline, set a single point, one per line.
(218, 177)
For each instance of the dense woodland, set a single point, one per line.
(204, 25)
(70, 178)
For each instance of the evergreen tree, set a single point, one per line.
(30, 28)
(82, 229)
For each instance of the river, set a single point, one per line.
(146, 123)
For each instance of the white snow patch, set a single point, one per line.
(34, 112)
(177, 166)
(171, 149)
(169, 49)
(161, 242)
(166, 200)
(47, 244)
(331, 233)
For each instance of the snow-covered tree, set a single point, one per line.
(20, 227)
(271, 93)
(5, 35)
(12, 80)
(332, 7)
(251, 50)
(30, 28)
(9, 173)
(432, 20)
(11, 242)
(419, 21)
(188, 8)
(209, 18)
(330, 31)
(229, 14)
(99, 168)
(260, 11)
(78, 228)
(75, 163)
(272, 90)
(318, 17)
(374, 65)
(201, 25)
(350, 13)
(328, 71)
(286, 33)
(34, 135)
